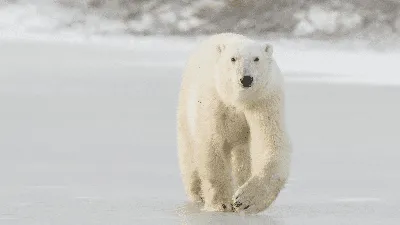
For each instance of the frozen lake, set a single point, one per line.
(87, 136)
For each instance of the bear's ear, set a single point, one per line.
(220, 48)
(268, 48)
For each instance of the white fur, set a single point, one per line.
(234, 151)
(192, 112)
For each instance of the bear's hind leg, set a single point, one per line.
(189, 174)
(192, 185)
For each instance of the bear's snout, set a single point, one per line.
(246, 81)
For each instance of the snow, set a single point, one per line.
(300, 61)
(88, 134)
(48, 18)
(326, 20)
(322, 19)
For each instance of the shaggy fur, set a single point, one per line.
(234, 151)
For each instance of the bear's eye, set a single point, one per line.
(233, 59)
(256, 59)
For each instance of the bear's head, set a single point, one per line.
(245, 71)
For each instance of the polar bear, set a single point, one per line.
(233, 147)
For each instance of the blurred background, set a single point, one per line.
(323, 19)
(89, 91)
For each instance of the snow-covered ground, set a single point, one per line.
(87, 134)
(303, 60)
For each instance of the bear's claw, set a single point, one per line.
(222, 208)
(237, 204)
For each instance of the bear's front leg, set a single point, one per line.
(271, 150)
(261, 190)
(215, 174)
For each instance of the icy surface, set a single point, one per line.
(87, 135)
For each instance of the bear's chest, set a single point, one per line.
(234, 126)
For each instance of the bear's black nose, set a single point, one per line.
(246, 81)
